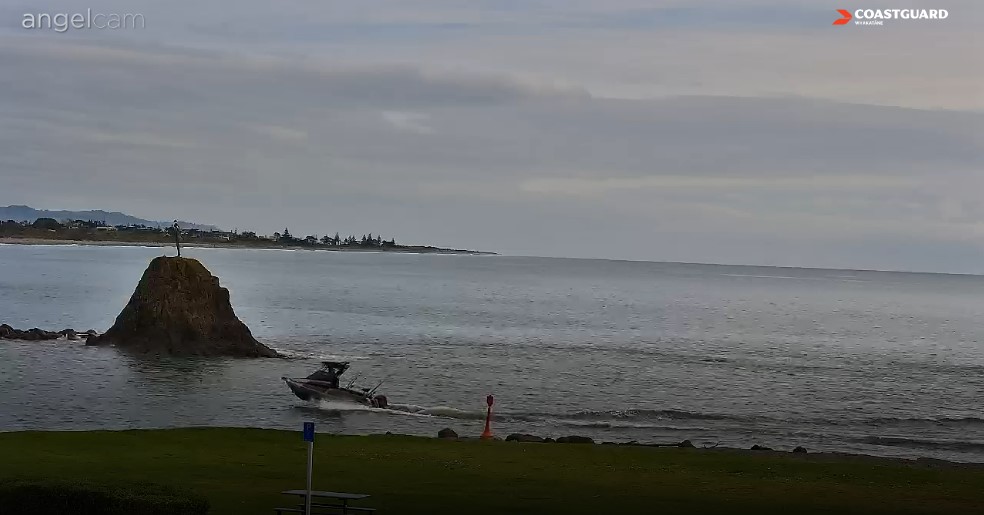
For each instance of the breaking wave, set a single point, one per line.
(920, 443)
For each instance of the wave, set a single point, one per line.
(920, 443)
(295, 354)
(591, 424)
(601, 419)
(648, 414)
(924, 420)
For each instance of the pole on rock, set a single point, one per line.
(177, 237)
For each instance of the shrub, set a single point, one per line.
(52, 497)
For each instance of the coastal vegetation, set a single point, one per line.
(242, 471)
(49, 229)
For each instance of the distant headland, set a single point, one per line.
(29, 226)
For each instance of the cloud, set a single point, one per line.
(574, 128)
(814, 184)
(278, 132)
(408, 121)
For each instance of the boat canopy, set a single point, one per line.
(335, 367)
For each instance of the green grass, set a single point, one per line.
(242, 471)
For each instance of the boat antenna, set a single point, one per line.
(378, 385)
(354, 379)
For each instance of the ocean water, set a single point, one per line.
(888, 364)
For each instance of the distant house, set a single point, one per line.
(109, 228)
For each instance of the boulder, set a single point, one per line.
(574, 439)
(178, 308)
(757, 447)
(549, 440)
(686, 444)
(520, 437)
(447, 433)
(800, 450)
(34, 334)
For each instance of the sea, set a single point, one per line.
(879, 363)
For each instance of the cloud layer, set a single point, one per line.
(638, 130)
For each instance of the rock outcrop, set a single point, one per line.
(35, 334)
(447, 433)
(574, 439)
(521, 437)
(178, 308)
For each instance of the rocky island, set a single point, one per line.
(179, 308)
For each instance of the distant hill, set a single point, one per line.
(29, 214)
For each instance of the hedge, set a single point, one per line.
(28, 496)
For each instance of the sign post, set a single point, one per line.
(309, 438)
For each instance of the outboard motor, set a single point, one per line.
(379, 401)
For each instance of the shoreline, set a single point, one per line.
(819, 456)
(409, 249)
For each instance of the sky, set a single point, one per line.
(716, 131)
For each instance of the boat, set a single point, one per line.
(323, 385)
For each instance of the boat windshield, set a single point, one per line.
(329, 372)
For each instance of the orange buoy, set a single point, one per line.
(487, 434)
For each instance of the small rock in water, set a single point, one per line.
(447, 433)
(574, 439)
(34, 334)
(800, 450)
(686, 444)
(757, 447)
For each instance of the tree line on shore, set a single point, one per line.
(97, 230)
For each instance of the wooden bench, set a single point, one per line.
(338, 502)
(340, 507)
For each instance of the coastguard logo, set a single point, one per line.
(880, 16)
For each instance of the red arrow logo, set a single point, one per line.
(846, 17)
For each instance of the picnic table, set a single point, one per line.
(341, 499)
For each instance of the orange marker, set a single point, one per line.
(487, 434)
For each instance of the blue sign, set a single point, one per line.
(309, 431)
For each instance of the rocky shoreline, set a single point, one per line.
(449, 434)
(35, 334)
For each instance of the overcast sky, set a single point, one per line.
(726, 131)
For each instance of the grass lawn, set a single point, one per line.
(241, 471)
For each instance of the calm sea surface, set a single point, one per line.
(882, 363)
